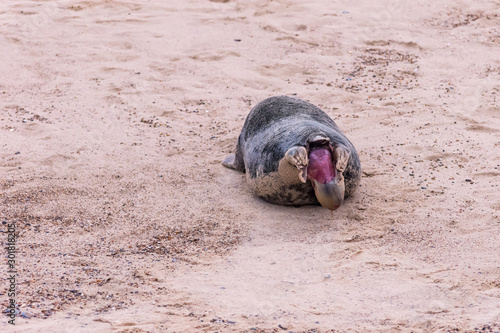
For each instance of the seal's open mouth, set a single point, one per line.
(327, 181)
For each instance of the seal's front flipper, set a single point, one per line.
(297, 156)
(341, 157)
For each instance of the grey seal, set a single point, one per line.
(293, 153)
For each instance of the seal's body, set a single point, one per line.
(293, 153)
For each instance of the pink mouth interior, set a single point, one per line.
(320, 166)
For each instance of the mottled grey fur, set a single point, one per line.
(271, 128)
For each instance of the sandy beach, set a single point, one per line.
(115, 117)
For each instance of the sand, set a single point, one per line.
(115, 117)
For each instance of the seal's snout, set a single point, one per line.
(329, 195)
(328, 184)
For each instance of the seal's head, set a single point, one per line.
(327, 180)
